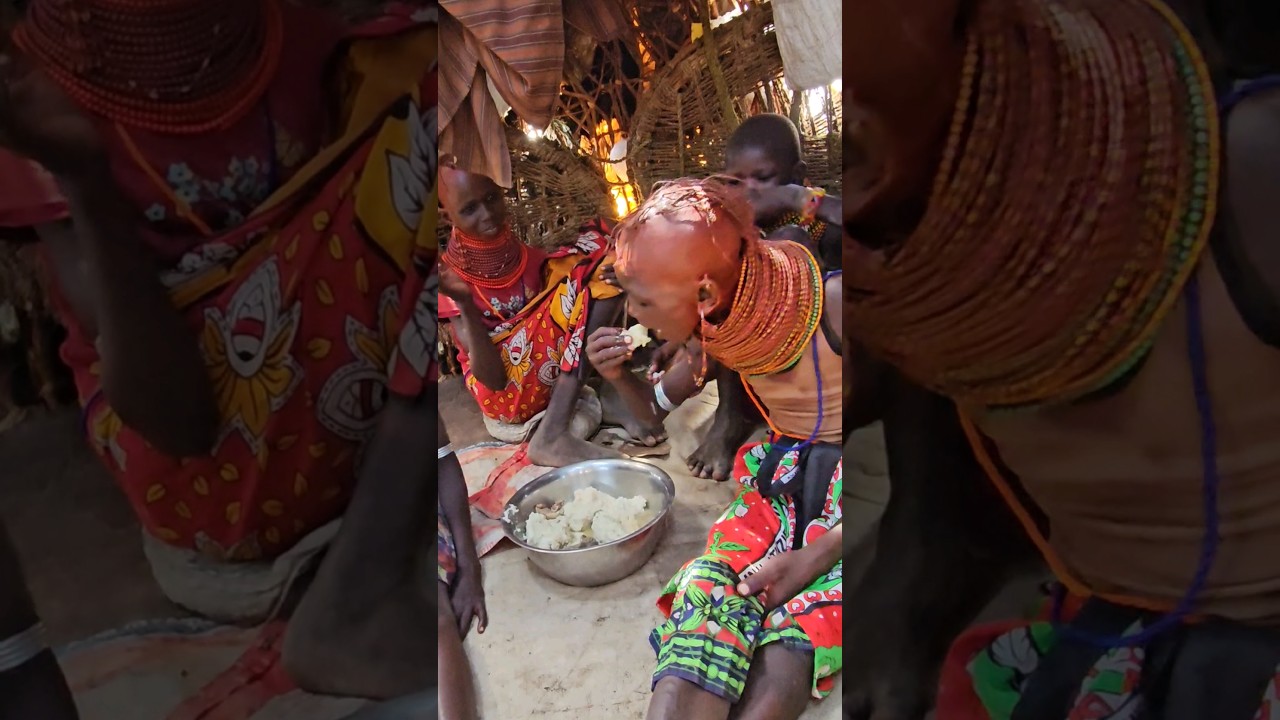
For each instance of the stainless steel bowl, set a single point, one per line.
(597, 564)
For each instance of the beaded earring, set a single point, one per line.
(702, 334)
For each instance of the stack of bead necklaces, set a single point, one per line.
(1075, 194)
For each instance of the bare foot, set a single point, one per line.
(714, 458)
(644, 434)
(560, 450)
(385, 652)
(12, 418)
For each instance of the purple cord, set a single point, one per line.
(1212, 483)
(1208, 446)
(1247, 90)
(817, 371)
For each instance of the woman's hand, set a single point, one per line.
(782, 577)
(39, 122)
(453, 286)
(608, 350)
(468, 601)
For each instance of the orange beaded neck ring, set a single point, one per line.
(170, 66)
(1075, 194)
(775, 311)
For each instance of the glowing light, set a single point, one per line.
(624, 199)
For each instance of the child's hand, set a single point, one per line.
(608, 350)
(468, 602)
(771, 202)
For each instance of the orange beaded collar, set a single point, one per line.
(1075, 194)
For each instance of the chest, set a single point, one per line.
(185, 188)
(1140, 449)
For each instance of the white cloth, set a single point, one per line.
(21, 648)
(587, 417)
(809, 39)
(238, 593)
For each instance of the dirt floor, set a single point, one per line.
(560, 653)
(551, 651)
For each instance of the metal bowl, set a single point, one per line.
(605, 563)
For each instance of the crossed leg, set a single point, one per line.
(552, 445)
(36, 688)
(361, 628)
(777, 689)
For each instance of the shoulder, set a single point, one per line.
(1253, 183)
(833, 303)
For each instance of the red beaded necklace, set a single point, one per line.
(495, 263)
(174, 66)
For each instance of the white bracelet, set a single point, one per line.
(444, 452)
(661, 396)
(22, 648)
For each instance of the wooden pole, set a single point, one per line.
(712, 53)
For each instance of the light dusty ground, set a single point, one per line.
(563, 653)
(551, 651)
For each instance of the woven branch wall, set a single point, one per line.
(680, 128)
(21, 279)
(553, 191)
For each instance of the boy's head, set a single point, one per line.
(765, 150)
(474, 204)
(680, 253)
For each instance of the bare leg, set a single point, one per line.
(37, 688)
(778, 685)
(363, 627)
(735, 419)
(942, 551)
(552, 445)
(676, 699)
(457, 688)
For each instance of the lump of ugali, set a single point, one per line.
(590, 515)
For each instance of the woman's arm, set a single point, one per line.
(608, 353)
(153, 373)
(470, 334)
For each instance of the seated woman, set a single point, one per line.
(240, 241)
(520, 316)
(753, 624)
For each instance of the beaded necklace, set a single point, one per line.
(179, 67)
(815, 228)
(1076, 191)
(491, 264)
(775, 311)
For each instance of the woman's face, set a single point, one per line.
(476, 206)
(902, 69)
(659, 295)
